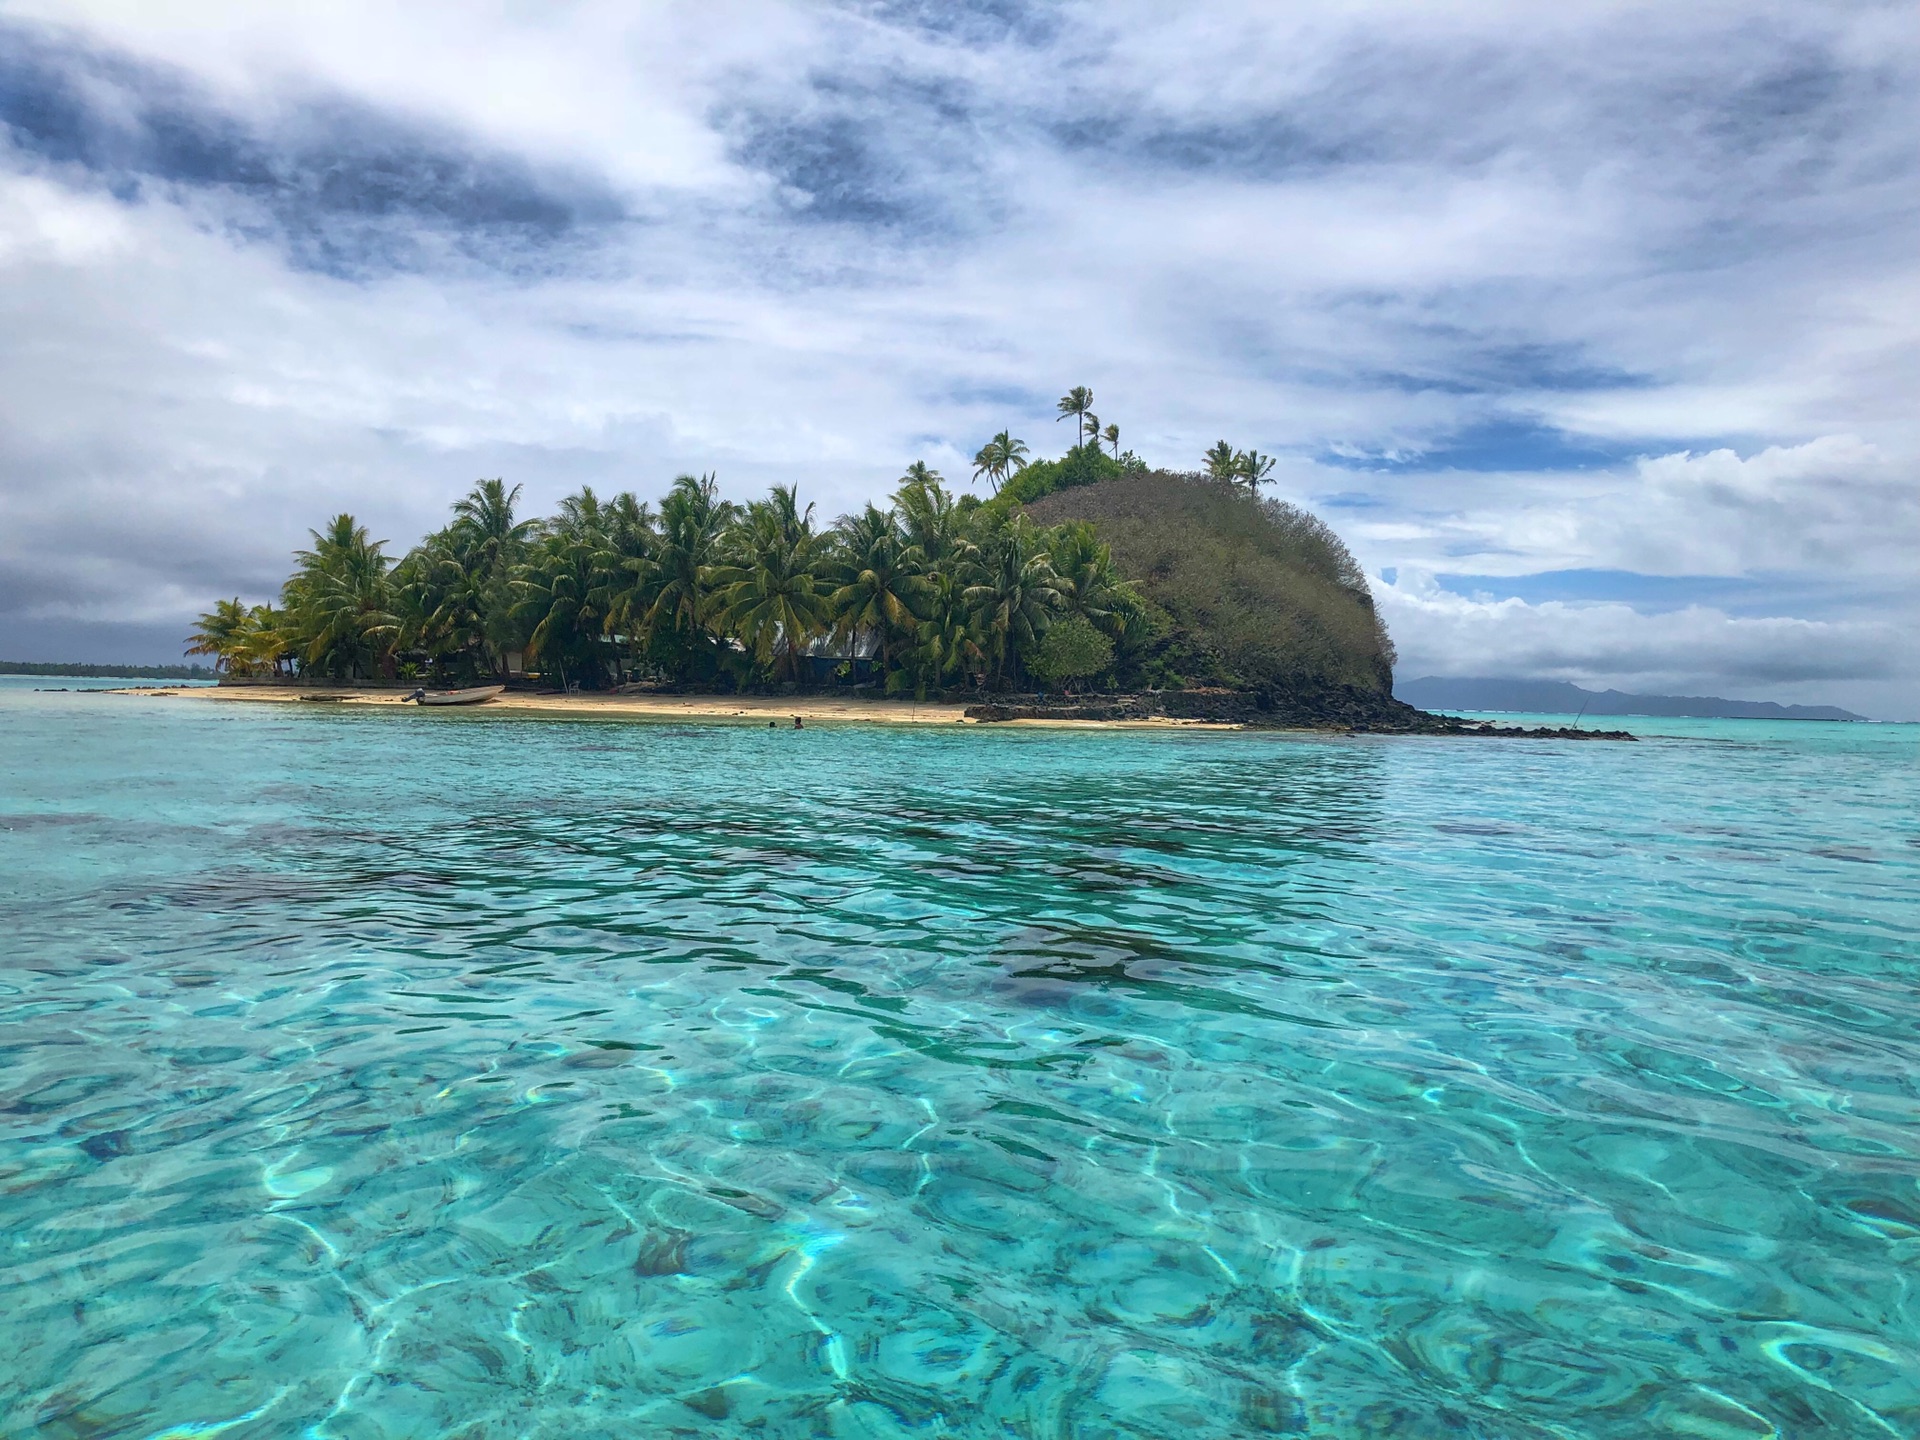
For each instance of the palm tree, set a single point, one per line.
(455, 589)
(227, 633)
(1015, 593)
(1223, 462)
(1083, 571)
(487, 512)
(946, 642)
(1077, 402)
(931, 523)
(339, 601)
(920, 473)
(881, 587)
(1000, 457)
(1254, 468)
(692, 518)
(1112, 436)
(770, 590)
(627, 565)
(560, 598)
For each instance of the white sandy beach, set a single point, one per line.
(756, 709)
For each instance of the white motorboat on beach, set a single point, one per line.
(473, 695)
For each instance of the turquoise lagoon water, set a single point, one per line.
(381, 1075)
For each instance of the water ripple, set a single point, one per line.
(501, 1079)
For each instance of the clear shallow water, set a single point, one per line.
(439, 1075)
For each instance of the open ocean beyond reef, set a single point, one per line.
(451, 1075)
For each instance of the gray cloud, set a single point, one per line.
(1616, 289)
(345, 187)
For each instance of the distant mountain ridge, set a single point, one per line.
(1558, 697)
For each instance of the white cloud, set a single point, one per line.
(1835, 507)
(1442, 633)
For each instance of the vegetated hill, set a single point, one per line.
(1258, 594)
(1557, 697)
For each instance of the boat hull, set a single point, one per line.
(477, 695)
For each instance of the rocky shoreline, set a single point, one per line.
(1349, 711)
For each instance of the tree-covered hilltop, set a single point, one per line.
(1087, 571)
(1255, 594)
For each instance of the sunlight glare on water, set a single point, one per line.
(378, 1075)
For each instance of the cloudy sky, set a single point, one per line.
(1595, 328)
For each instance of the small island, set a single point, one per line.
(1087, 588)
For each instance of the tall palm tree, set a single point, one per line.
(456, 587)
(560, 599)
(770, 589)
(487, 512)
(628, 572)
(931, 523)
(1015, 593)
(947, 642)
(920, 473)
(1000, 457)
(339, 601)
(1112, 436)
(1077, 402)
(1223, 462)
(1254, 468)
(692, 518)
(880, 587)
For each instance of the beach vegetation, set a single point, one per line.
(1087, 569)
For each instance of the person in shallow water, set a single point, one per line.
(798, 723)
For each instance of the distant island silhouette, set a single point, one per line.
(1558, 697)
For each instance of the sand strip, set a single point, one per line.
(739, 709)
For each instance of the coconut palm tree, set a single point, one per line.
(235, 636)
(880, 587)
(245, 640)
(627, 565)
(930, 522)
(1083, 571)
(692, 519)
(920, 473)
(1014, 594)
(770, 589)
(1112, 436)
(947, 641)
(1254, 468)
(1223, 462)
(560, 592)
(486, 512)
(339, 602)
(1000, 457)
(223, 633)
(1077, 402)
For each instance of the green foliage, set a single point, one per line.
(244, 640)
(340, 604)
(1071, 650)
(1000, 457)
(1086, 565)
(1083, 465)
(1253, 593)
(46, 668)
